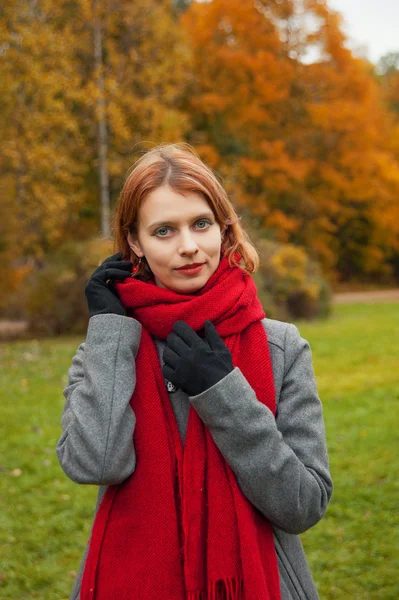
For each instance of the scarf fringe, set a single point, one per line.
(222, 589)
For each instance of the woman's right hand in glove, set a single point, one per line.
(102, 297)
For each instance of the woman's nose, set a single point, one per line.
(187, 243)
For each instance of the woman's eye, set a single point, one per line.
(159, 231)
(162, 229)
(204, 221)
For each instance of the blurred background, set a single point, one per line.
(295, 103)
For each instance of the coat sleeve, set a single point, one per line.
(280, 464)
(96, 445)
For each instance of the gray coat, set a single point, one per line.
(281, 464)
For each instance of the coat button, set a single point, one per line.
(170, 386)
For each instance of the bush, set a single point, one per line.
(54, 299)
(290, 284)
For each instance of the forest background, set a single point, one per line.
(308, 151)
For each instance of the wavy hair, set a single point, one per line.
(179, 166)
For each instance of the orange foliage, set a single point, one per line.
(311, 150)
(308, 146)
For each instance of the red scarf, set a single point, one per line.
(179, 528)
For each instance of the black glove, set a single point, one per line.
(194, 364)
(102, 297)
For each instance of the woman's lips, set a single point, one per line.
(190, 270)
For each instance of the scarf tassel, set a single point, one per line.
(222, 589)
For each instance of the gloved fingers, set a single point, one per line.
(112, 273)
(186, 333)
(213, 338)
(170, 357)
(114, 265)
(177, 344)
(168, 373)
(122, 264)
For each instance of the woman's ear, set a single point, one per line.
(134, 245)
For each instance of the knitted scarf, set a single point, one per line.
(179, 528)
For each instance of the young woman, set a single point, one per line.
(196, 415)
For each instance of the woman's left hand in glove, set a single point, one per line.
(194, 364)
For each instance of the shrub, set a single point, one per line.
(290, 284)
(54, 299)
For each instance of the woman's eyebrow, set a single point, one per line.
(201, 216)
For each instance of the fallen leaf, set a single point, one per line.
(36, 429)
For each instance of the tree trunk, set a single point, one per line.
(102, 138)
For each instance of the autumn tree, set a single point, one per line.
(305, 147)
(388, 76)
(144, 61)
(50, 113)
(355, 178)
(41, 172)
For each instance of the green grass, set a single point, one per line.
(353, 551)
(45, 518)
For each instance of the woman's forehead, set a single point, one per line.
(166, 204)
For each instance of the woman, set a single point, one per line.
(197, 416)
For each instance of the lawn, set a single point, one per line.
(45, 518)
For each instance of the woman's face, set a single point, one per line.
(176, 230)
